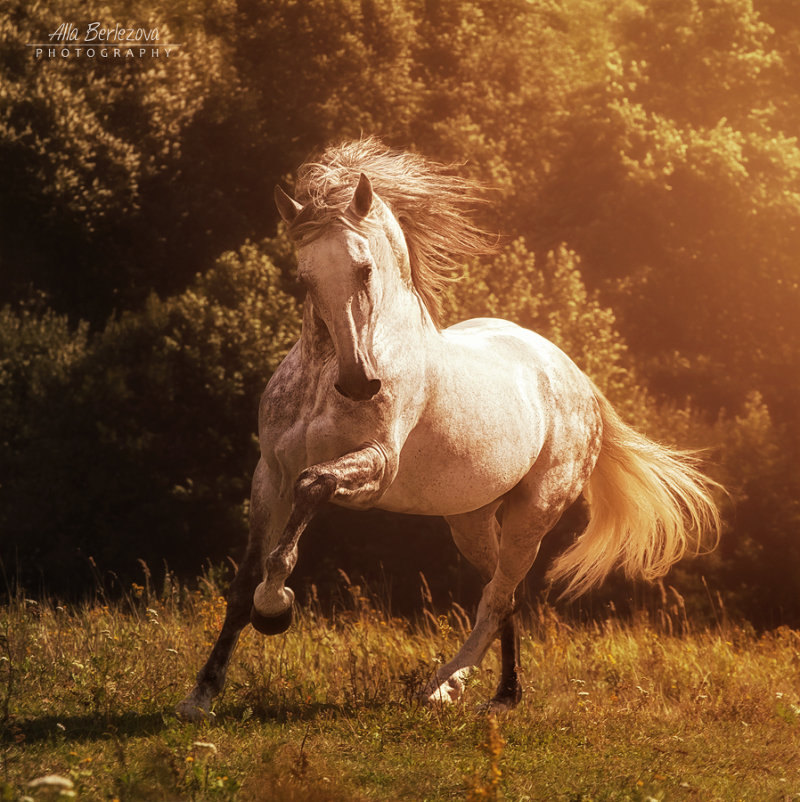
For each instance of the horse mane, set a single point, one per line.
(430, 203)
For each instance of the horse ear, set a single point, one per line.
(288, 207)
(362, 198)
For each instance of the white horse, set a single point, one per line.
(485, 423)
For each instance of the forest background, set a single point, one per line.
(644, 175)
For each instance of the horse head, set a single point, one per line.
(352, 264)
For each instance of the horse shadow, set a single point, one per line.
(84, 727)
(96, 726)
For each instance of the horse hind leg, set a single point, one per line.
(509, 689)
(477, 535)
(524, 525)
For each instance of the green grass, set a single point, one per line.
(328, 711)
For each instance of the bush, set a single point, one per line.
(138, 442)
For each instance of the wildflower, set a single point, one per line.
(52, 781)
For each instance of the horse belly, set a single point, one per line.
(500, 397)
(464, 464)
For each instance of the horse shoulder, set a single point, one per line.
(282, 418)
(285, 393)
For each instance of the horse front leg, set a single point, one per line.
(357, 476)
(268, 514)
(211, 677)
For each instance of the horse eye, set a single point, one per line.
(364, 272)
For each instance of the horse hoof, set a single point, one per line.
(447, 692)
(498, 704)
(272, 624)
(196, 706)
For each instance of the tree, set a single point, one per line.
(759, 559)
(104, 182)
(679, 194)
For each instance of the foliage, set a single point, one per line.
(677, 185)
(643, 164)
(148, 429)
(37, 350)
(101, 187)
(328, 711)
(366, 45)
(761, 555)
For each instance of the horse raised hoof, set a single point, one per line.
(272, 624)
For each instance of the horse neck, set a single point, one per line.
(404, 311)
(406, 314)
(411, 311)
(315, 342)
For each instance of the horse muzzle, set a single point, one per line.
(357, 386)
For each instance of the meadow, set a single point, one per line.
(651, 709)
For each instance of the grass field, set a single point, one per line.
(329, 711)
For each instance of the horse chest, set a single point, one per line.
(322, 432)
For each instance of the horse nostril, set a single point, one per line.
(373, 387)
(338, 388)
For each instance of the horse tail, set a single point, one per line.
(648, 504)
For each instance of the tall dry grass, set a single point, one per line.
(331, 709)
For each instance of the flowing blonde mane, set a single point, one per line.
(429, 202)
